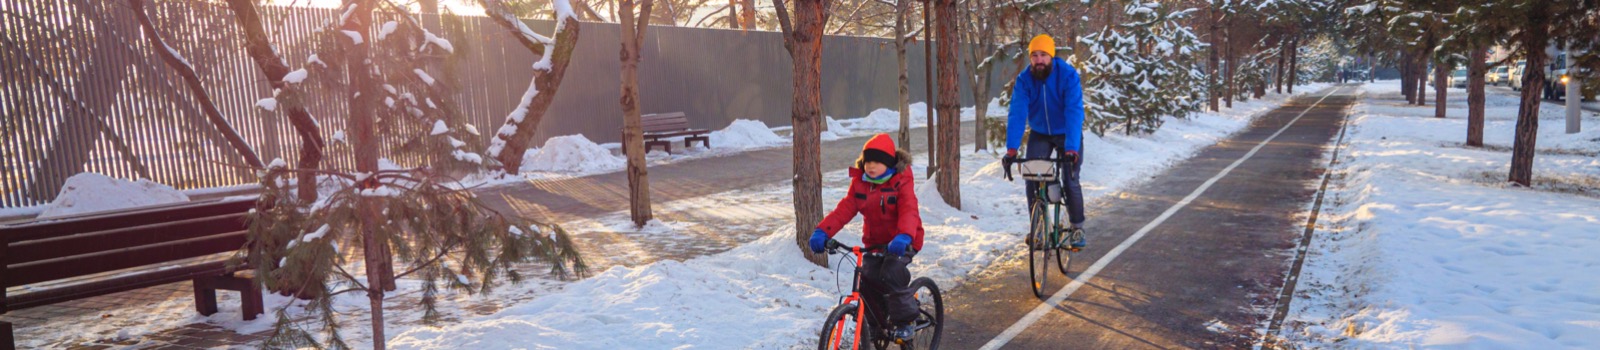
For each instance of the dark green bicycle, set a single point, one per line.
(1048, 238)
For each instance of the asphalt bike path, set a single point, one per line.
(1192, 258)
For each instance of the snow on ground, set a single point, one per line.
(1423, 244)
(763, 295)
(572, 153)
(759, 294)
(744, 134)
(91, 192)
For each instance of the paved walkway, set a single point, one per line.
(1204, 275)
(673, 190)
(580, 205)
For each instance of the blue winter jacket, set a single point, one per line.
(1052, 107)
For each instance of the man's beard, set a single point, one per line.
(1040, 71)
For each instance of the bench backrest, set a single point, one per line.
(61, 248)
(663, 122)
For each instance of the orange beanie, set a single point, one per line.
(1044, 43)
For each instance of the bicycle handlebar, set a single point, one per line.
(1007, 163)
(836, 247)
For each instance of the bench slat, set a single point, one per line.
(664, 127)
(90, 242)
(107, 261)
(65, 226)
(40, 297)
(675, 134)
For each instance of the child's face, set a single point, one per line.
(874, 169)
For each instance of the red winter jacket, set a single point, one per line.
(887, 210)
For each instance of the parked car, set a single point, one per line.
(1458, 78)
(1514, 74)
(1497, 76)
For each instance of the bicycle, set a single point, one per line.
(843, 329)
(1045, 219)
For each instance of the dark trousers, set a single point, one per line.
(1041, 146)
(885, 284)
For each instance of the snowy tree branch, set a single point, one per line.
(192, 80)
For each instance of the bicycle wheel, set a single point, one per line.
(1063, 245)
(930, 319)
(843, 330)
(1039, 259)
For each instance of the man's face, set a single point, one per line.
(1040, 59)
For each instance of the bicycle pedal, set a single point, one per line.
(1074, 250)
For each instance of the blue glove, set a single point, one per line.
(818, 239)
(899, 244)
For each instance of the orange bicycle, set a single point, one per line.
(845, 329)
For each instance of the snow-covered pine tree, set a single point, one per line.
(1139, 72)
(415, 216)
(1319, 59)
(1254, 72)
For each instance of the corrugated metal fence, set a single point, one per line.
(83, 92)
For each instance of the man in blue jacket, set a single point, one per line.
(1047, 98)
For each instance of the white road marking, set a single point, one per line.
(1044, 308)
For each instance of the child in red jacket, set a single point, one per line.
(881, 191)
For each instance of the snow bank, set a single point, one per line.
(1426, 246)
(762, 295)
(91, 192)
(745, 133)
(572, 153)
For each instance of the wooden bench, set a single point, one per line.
(657, 127)
(123, 251)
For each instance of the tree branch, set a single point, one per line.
(784, 26)
(644, 20)
(172, 60)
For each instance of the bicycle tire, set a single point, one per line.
(1039, 259)
(842, 318)
(1062, 258)
(927, 293)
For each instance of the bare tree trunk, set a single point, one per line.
(289, 97)
(1533, 45)
(512, 139)
(949, 141)
(902, 9)
(1422, 71)
(1475, 98)
(363, 132)
(1294, 62)
(1278, 76)
(1407, 85)
(1211, 66)
(748, 14)
(928, 80)
(803, 40)
(633, 135)
(1440, 88)
(192, 81)
(1233, 63)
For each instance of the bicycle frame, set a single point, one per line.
(1043, 192)
(855, 293)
